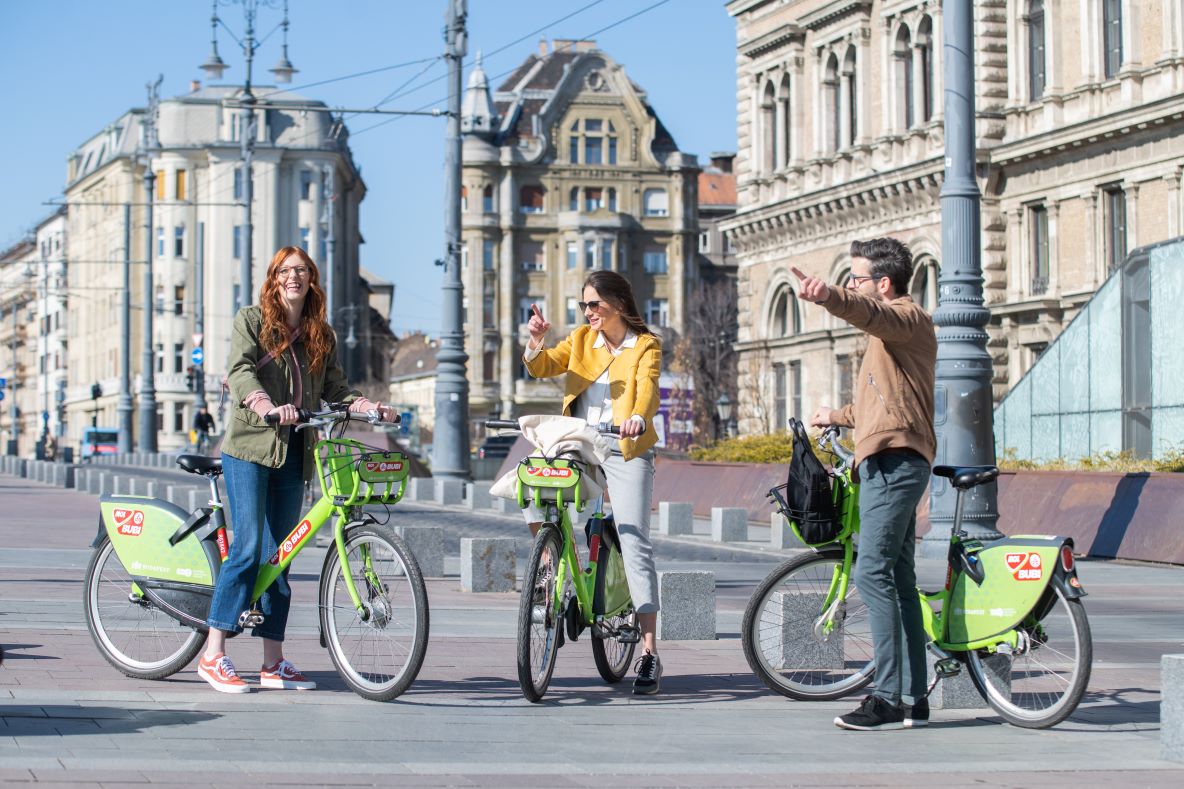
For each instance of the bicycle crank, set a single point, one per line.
(250, 618)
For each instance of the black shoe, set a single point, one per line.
(874, 714)
(916, 715)
(649, 675)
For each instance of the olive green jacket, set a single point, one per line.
(248, 437)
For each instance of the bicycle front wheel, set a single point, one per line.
(1042, 681)
(379, 649)
(799, 646)
(539, 614)
(132, 634)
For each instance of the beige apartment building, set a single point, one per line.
(20, 427)
(566, 169)
(840, 127)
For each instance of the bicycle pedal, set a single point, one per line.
(947, 667)
(628, 635)
(250, 619)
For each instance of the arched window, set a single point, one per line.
(655, 203)
(784, 135)
(487, 199)
(530, 199)
(924, 286)
(573, 199)
(852, 103)
(924, 45)
(786, 319)
(830, 92)
(768, 129)
(612, 199)
(902, 55)
(464, 198)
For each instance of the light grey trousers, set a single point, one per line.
(631, 486)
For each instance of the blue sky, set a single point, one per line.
(72, 66)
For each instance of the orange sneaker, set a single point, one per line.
(284, 675)
(220, 673)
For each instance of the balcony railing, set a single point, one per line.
(1039, 286)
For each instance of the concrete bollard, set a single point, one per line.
(506, 506)
(421, 489)
(781, 534)
(676, 517)
(106, 485)
(477, 495)
(1171, 708)
(427, 546)
(449, 492)
(790, 650)
(729, 524)
(687, 603)
(488, 564)
(959, 692)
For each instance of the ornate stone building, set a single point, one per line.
(566, 169)
(841, 137)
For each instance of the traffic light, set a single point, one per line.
(96, 391)
(190, 376)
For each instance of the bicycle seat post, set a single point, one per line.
(956, 530)
(215, 499)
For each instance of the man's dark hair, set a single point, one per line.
(889, 258)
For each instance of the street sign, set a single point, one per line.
(1, 394)
(198, 355)
(197, 338)
(3, 382)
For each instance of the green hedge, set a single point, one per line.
(1123, 462)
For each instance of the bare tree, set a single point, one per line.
(707, 349)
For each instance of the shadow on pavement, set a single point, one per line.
(55, 720)
(12, 652)
(1115, 708)
(681, 689)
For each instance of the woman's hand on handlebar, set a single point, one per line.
(286, 414)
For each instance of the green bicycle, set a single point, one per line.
(150, 582)
(1010, 611)
(559, 597)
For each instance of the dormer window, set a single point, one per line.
(592, 141)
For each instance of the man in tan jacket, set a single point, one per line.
(894, 446)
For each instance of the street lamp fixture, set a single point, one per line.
(723, 408)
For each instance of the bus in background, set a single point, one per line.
(99, 441)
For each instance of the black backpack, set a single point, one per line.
(809, 500)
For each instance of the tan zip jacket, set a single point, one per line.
(893, 406)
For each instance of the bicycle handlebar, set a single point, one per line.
(334, 413)
(828, 439)
(512, 424)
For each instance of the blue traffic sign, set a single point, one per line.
(1, 394)
(198, 355)
(3, 382)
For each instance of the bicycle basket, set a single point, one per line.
(811, 504)
(541, 479)
(352, 473)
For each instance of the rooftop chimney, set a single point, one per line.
(722, 160)
(543, 47)
(194, 85)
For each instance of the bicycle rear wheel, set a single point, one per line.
(132, 634)
(1042, 682)
(783, 632)
(540, 614)
(379, 650)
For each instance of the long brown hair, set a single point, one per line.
(314, 329)
(617, 291)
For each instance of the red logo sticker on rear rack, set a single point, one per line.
(384, 466)
(547, 471)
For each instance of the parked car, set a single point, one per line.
(496, 447)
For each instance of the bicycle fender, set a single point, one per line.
(139, 529)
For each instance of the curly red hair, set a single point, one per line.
(315, 330)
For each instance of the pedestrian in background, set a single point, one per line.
(283, 358)
(895, 444)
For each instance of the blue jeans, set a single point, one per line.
(891, 485)
(264, 504)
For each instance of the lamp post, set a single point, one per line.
(723, 409)
(148, 371)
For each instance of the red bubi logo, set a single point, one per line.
(129, 522)
(1025, 566)
(561, 473)
(291, 542)
(384, 466)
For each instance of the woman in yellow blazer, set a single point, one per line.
(610, 368)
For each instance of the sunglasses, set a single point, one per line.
(595, 305)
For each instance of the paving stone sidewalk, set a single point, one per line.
(68, 718)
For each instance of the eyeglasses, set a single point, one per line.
(594, 305)
(300, 272)
(855, 279)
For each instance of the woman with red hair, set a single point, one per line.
(283, 358)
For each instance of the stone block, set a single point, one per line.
(729, 524)
(959, 692)
(789, 647)
(427, 546)
(421, 489)
(477, 495)
(781, 536)
(676, 517)
(488, 564)
(506, 506)
(106, 484)
(449, 492)
(1171, 708)
(687, 603)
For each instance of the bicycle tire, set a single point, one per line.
(134, 636)
(538, 641)
(611, 655)
(788, 654)
(1021, 701)
(377, 651)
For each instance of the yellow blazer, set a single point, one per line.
(633, 379)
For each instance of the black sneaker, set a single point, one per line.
(649, 675)
(916, 715)
(874, 714)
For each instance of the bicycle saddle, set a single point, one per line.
(965, 477)
(200, 464)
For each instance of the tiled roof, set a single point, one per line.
(717, 189)
(415, 356)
